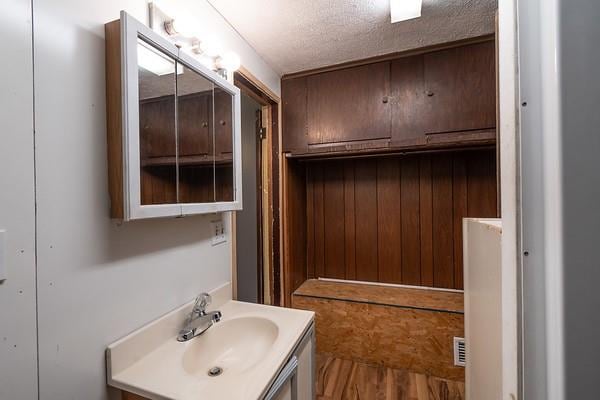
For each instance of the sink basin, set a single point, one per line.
(234, 346)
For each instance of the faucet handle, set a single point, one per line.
(202, 301)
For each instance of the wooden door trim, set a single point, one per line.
(256, 89)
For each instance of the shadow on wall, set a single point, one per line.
(114, 240)
(155, 235)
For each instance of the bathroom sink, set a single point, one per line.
(230, 347)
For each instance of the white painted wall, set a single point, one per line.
(508, 94)
(99, 280)
(18, 371)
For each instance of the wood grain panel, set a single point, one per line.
(459, 196)
(358, 112)
(461, 88)
(223, 122)
(334, 235)
(401, 337)
(410, 245)
(407, 98)
(426, 220)
(428, 299)
(114, 130)
(341, 379)
(294, 117)
(389, 249)
(397, 219)
(319, 223)
(310, 225)
(295, 222)
(365, 195)
(194, 124)
(349, 220)
(443, 234)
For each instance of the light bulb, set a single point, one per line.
(229, 61)
(210, 46)
(182, 25)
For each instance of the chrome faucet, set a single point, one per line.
(198, 321)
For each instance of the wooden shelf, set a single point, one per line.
(431, 142)
(431, 299)
(187, 161)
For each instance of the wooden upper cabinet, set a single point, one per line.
(349, 104)
(439, 99)
(195, 125)
(460, 89)
(157, 127)
(408, 96)
(223, 123)
(294, 121)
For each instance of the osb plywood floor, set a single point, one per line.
(339, 379)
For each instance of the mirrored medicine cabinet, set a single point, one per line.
(173, 128)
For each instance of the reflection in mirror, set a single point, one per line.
(195, 129)
(224, 175)
(156, 79)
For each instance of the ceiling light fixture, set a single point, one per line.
(402, 10)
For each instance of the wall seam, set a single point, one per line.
(35, 216)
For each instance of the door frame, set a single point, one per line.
(270, 237)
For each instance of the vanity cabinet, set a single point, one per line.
(433, 99)
(173, 125)
(297, 380)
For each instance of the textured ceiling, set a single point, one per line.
(296, 35)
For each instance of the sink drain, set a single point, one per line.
(215, 371)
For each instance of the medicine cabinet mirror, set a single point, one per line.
(173, 128)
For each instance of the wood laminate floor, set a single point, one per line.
(339, 379)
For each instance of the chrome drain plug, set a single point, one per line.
(215, 371)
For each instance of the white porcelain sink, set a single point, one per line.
(250, 343)
(235, 346)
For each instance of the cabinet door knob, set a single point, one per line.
(385, 99)
(205, 124)
(429, 93)
(222, 122)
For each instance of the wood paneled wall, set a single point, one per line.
(396, 219)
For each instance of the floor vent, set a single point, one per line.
(460, 358)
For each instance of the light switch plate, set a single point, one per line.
(2, 255)
(218, 232)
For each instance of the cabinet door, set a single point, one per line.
(223, 123)
(195, 128)
(294, 117)
(407, 99)
(157, 125)
(349, 105)
(460, 89)
(195, 124)
(157, 128)
(224, 175)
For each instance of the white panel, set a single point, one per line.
(99, 280)
(509, 180)
(3, 266)
(18, 371)
(483, 308)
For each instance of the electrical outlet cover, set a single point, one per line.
(218, 232)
